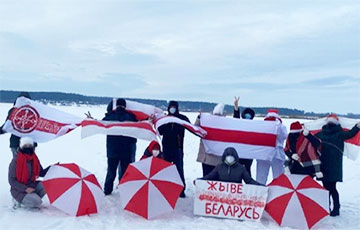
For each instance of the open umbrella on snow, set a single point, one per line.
(150, 187)
(73, 189)
(297, 201)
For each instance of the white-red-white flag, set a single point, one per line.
(352, 146)
(143, 129)
(198, 131)
(38, 121)
(252, 139)
(140, 110)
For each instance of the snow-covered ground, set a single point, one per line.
(90, 153)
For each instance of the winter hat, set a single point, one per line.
(248, 111)
(174, 104)
(24, 94)
(296, 127)
(152, 145)
(272, 115)
(332, 118)
(26, 141)
(121, 102)
(219, 109)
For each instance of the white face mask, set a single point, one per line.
(230, 160)
(155, 153)
(172, 110)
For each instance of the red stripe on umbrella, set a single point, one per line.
(139, 200)
(87, 203)
(312, 211)
(170, 191)
(280, 204)
(56, 187)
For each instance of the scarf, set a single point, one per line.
(22, 174)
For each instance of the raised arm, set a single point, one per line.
(351, 133)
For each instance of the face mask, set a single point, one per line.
(156, 152)
(27, 150)
(247, 116)
(229, 160)
(172, 110)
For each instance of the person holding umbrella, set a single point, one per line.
(153, 150)
(24, 170)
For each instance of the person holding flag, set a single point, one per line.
(173, 140)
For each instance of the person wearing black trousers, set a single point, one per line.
(173, 141)
(332, 139)
(120, 149)
(246, 114)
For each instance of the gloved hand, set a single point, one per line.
(295, 156)
(319, 175)
(305, 132)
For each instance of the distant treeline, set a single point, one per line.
(8, 96)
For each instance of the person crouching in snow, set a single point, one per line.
(333, 137)
(277, 163)
(153, 150)
(230, 170)
(297, 144)
(24, 170)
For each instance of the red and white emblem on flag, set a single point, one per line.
(25, 119)
(41, 122)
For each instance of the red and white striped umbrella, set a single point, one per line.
(72, 189)
(297, 201)
(150, 187)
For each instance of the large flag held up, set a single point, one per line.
(198, 131)
(142, 129)
(140, 110)
(252, 139)
(38, 121)
(352, 146)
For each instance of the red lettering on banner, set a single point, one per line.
(255, 215)
(207, 209)
(212, 185)
(246, 213)
(221, 187)
(242, 211)
(49, 126)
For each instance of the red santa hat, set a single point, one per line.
(272, 115)
(296, 127)
(332, 118)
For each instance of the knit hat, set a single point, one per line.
(272, 115)
(249, 111)
(121, 102)
(152, 145)
(296, 127)
(219, 109)
(332, 118)
(26, 141)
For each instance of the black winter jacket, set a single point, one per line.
(116, 145)
(235, 173)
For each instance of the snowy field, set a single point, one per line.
(90, 153)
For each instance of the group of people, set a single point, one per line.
(25, 167)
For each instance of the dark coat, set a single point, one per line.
(333, 137)
(173, 134)
(116, 145)
(235, 173)
(17, 188)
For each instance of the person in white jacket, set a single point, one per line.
(277, 162)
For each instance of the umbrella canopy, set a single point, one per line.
(72, 189)
(150, 187)
(297, 201)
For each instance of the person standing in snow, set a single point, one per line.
(332, 137)
(230, 170)
(24, 170)
(14, 140)
(277, 162)
(208, 161)
(120, 149)
(173, 141)
(153, 150)
(248, 114)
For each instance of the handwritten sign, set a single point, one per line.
(229, 200)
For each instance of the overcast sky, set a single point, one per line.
(296, 54)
